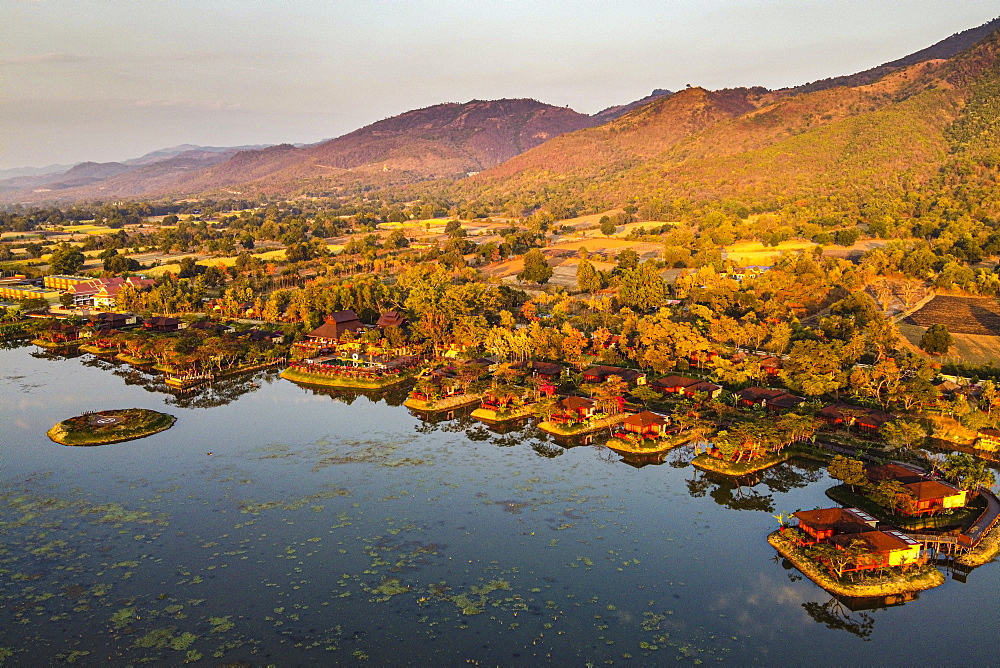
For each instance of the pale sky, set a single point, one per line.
(113, 79)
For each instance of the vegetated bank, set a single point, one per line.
(112, 426)
(924, 577)
(647, 446)
(707, 462)
(298, 375)
(448, 403)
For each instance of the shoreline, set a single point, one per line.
(588, 428)
(490, 415)
(451, 403)
(706, 462)
(342, 382)
(664, 445)
(927, 577)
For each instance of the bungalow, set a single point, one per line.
(988, 439)
(548, 370)
(932, 496)
(763, 397)
(162, 324)
(771, 365)
(112, 320)
(646, 424)
(601, 373)
(391, 319)
(824, 523)
(334, 327)
(886, 548)
(868, 420)
(575, 408)
(673, 384)
(891, 471)
(702, 387)
(209, 326)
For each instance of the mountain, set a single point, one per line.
(16, 172)
(611, 113)
(888, 132)
(190, 150)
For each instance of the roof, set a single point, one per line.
(879, 541)
(928, 490)
(844, 520)
(703, 386)
(785, 401)
(674, 381)
(601, 371)
(343, 316)
(864, 416)
(391, 319)
(990, 433)
(893, 472)
(576, 403)
(756, 394)
(646, 419)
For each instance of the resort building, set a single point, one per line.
(763, 397)
(933, 496)
(646, 424)
(988, 439)
(884, 549)
(601, 373)
(822, 524)
(334, 327)
(867, 420)
(64, 283)
(103, 292)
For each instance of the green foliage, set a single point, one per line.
(66, 259)
(536, 268)
(936, 340)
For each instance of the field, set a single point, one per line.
(961, 315)
(88, 229)
(753, 253)
(975, 349)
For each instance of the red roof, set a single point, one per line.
(930, 490)
(646, 419)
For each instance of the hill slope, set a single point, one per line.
(754, 144)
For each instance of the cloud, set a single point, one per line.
(44, 58)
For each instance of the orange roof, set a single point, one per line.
(928, 490)
(646, 419)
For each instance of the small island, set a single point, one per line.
(113, 426)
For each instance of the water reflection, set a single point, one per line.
(745, 493)
(839, 615)
(391, 396)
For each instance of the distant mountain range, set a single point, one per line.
(861, 129)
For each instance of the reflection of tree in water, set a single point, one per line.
(13, 344)
(742, 493)
(54, 355)
(220, 392)
(392, 396)
(546, 450)
(837, 616)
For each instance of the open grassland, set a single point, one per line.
(88, 229)
(229, 261)
(750, 253)
(971, 349)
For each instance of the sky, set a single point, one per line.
(108, 80)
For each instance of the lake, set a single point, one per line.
(277, 525)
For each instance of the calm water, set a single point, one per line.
(275, 525)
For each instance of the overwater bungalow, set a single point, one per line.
(824, 523)
(646, 425)
(883, 549)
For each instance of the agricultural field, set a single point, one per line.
(754, 253)
(978, 316)
(974, 349)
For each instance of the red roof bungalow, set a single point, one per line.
(932, 496)
(868, 420)
(702, 387)
(891, 471)
(774, 400)
(673, 384)
(575, 408)
(885, 548)
(646, 424)
(600, 373)
(822, 524)
(549, 370)
(336, 324)
(162, 324)
(771, 365)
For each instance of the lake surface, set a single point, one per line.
(275, 525)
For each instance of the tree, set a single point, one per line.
(66, 299)
(588, 279)
(903, 433)
(66, 259)
(642, 288)
(848, 471)
(536, 268)
(967, 472)
(607, 226)
(936, 340)
(814, 368)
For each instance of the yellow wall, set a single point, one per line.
(956, 501)
(901, 557)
